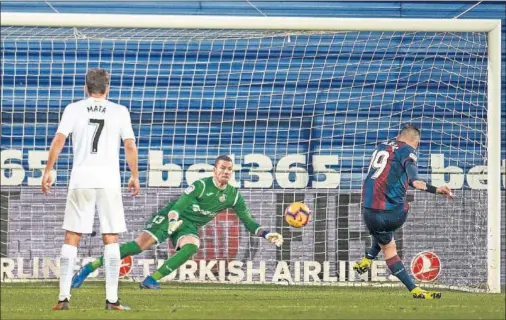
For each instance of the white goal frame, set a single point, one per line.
(491, 27)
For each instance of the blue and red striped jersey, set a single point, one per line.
(386, 183)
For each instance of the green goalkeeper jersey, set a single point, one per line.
(202, 201)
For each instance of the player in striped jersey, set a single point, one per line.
(392, 169)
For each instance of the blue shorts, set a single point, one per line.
(382, 223)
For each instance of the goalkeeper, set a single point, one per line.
(180, 221)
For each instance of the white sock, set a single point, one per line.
(67, 261)
(112, 262)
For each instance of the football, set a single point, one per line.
(297, 214)
(126, 266)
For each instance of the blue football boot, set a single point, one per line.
(149, 283)
(81, 275)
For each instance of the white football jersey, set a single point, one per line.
(97, 127)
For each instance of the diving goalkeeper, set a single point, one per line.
(180, 221)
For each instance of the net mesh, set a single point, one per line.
(300, 113)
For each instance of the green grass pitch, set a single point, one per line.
(226, 301)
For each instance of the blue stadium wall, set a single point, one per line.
(32, 135)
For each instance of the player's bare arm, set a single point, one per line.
(132, 158)
(54, 151)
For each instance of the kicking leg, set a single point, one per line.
(373, 251)
(365, 264)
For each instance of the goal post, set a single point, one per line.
(494, 159)
(247, 23)
(389, 50)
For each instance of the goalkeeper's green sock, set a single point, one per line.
(184, 254)
(126, 249)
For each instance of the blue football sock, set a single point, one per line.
(397, 267)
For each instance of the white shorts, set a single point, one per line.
(80, 210)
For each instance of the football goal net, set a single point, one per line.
(298, 103)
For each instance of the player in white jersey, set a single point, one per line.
(97, 126)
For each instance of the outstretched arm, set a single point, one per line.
(416, 182)
(241, 210)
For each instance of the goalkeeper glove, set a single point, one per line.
(174, 223)
(273, 237)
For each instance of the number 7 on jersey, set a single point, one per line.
(99, 125)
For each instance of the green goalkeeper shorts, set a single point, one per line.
(158, 227)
